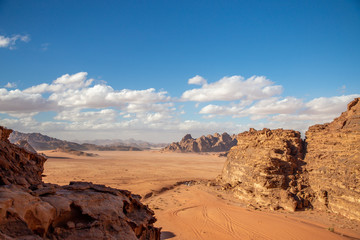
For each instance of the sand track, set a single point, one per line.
(185, 207)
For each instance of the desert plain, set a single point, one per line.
(180, 188)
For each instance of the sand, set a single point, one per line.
(175, 186)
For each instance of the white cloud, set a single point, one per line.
(197, 80)
(63, 83)
(83, 105)
(234, 110)
(16, 101)
(9, 42)
(10, 85)
(233, 88)
(75, 115)
(276, 105)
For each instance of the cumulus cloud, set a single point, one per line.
(16, 101)
(286, 112)
(82, 105)
(197, 80)
(63, 83)
(233, 88)
(76, 115)
(319, 110)
(10, 42)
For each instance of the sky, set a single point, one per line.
(156, 70)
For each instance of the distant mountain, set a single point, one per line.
(129, 142)
(209, 143)
(42, 142)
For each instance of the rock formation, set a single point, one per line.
(210, 143)
(333, 162)
(31, 209)
(275, 168)
(18, 166)
(264, 167)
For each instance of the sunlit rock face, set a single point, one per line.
(333, 162)
(31, 209)
(275, 168)
(265, 167)
(209, 143)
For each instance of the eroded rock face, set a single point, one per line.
(31, 209)
(265, 167)
(78, 211)
(333, 162)
(209, 143)
(17, 165)
(275, 168)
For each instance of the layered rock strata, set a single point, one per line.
(209, 143)
(265, 167)
(31, 209)
(333, 162)
(275, 168)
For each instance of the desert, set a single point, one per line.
(179, 120)
(270, 185)
(185, 204)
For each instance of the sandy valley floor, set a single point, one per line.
(192, 211)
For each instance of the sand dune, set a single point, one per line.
(192, 210)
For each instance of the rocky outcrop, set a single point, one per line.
(275, 168)
(265, 167)
(17, 165)
(210, 143)
(333, 162)
(31, 209)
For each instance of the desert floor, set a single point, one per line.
(192, 209)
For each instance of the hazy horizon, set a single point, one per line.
(155, 71)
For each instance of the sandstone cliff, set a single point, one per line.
(209, 143)
(265, 167)
(333, 162)
(275, 168)
(31, 209)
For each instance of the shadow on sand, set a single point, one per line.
(166, 235)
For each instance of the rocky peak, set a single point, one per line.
(209, 143)
(186, 138)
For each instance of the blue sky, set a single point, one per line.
(155, 70)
